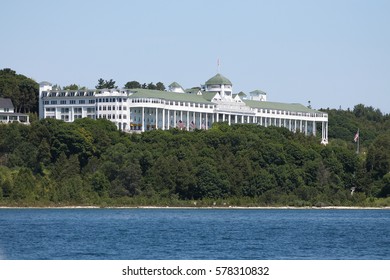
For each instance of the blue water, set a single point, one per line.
(194, 234)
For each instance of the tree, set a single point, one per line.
(378, 156)
(100, 184)
(160, 86)
(24, 185)
(104, 84)
(21, 90)
(132, 84)
(71, 87)
(151, 86)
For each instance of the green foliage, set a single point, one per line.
(71, 87)
(151, 85)
(132, 84)
(21, 90)
(89, 161)
(105, 84)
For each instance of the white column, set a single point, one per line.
(326, 132)
(163, 119)
(230, 118)
(306, 127)
(156, 120)
(143, 119)
(207, 121)
(169, 119)
(314, 128)
(188, 120)
(174, 118)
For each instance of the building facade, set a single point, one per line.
(8, 115)
(139, 110)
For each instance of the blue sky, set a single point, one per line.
(333, 53)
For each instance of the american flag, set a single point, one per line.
(356, 136)
(180, 124)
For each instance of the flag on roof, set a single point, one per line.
(356, 136)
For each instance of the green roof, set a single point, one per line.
(207, 96)
(218, 80)
(293, 107)
(175, 85)
(257, 91)
(167, 95)
(192, 90)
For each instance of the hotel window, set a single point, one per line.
(109, 108)
(91, 101)
(46, 102)
(81, 101)
(62, 101)
(104, 108)
(124, 107)
(53, 102)
(72, 102)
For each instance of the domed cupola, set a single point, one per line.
(175, 87)
(220, 84)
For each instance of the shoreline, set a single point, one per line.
(205, 207)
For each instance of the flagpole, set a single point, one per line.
(358, 142)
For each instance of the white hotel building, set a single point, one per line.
(142, 109)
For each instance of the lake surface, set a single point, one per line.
(194, 234)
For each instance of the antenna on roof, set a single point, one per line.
(218, 65)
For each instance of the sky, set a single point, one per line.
(333, 53)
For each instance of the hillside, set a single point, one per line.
(90, 162)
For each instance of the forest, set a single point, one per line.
(90, 162)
